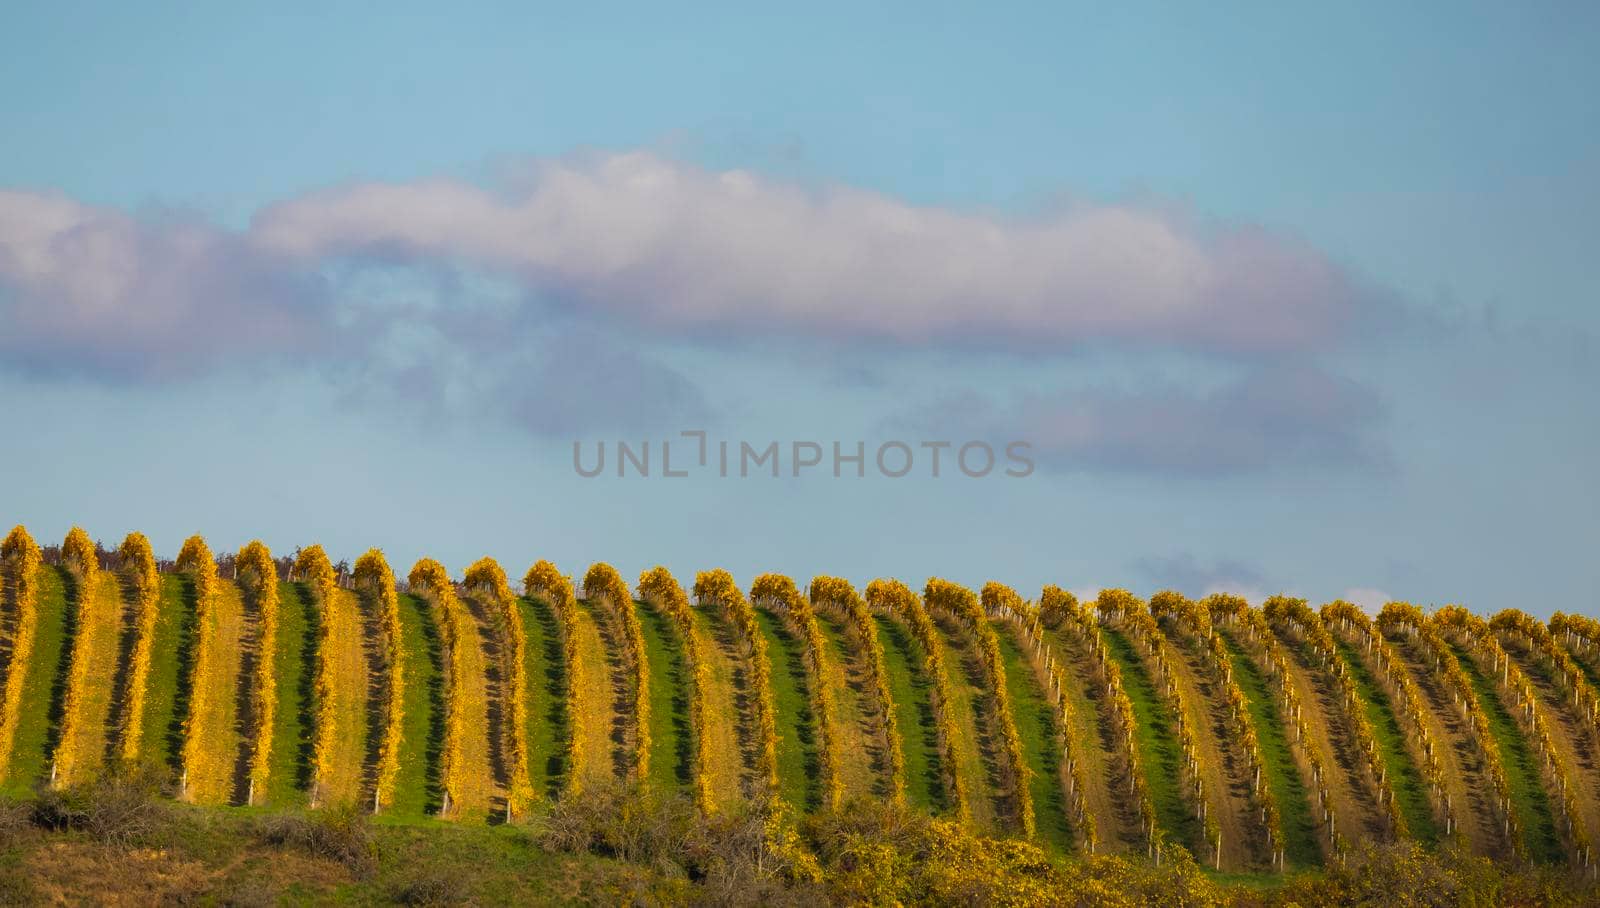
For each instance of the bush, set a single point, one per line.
(342, 834)
(119, 810)
(430, 887)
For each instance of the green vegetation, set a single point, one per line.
(1528, 796)
(166, 694)
(417, 789)
(1282, 776)
(1157, 741)
(294, 672)
(798, 781)
(1409, 787)
(911, 689)
(45, 685)
(671, 757)
(1035, 718)
(545, 725)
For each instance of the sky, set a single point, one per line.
(1274, 298)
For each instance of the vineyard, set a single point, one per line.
(1249, 740)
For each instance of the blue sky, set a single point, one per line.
(1285, 299)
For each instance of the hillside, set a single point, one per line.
(1241, 743)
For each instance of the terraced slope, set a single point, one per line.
(1281, 772)
(417, 787)
(546, 725)
(166, 687)
(671, 744)
(44, 685)
(1466, 780)
(1355, 806)
(1528, 796)
(798, 761)
(1158, 744)
(595, 672)
(919, 740)
(862, 772)
(80, 752)
(340, 780)
(1035, 718)
(1410, 789)
(975, 761)
(727, 714)
(1575, 743)
(1093, 741)
(1222, 765)
(294, 673)
(217, 736)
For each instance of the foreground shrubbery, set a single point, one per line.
(620, 845)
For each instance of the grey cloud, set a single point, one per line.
(1275, 417)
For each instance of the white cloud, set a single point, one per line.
(684, 249)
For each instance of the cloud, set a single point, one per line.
(1188, 576)
(1274, 417)
(691, 251)
(94, 291)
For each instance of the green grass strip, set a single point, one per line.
(1280, 773)
(911, 688)
(545, 727)
(44, 685)
(798, 765)
(1157, 740)
(166, 694)
(416, 790)
(294, 672)
(671, 762)
(1036, 727)
(1409, 788)
(1522, 767)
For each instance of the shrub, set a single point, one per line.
(605, 587)
(546, 582)
(780, 594)
(123, 810)
(196, 560)
(716, 589)
(78, 554)
(658, 587)
(342, 834)
(430, 580)
(837, 595)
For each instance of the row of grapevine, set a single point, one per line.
(486, 579)
(960, 604)
(138, 566)
(431, 581)
(79, 557)
(1478, 637)
(374, 579)
(715, 589)
(1308, 625)
(313, 567)
(893, 598)
(779, 594)
(1132, 614)
(1403, 693)
(604, 586)
(1265, 649)
(1194, 619)
(1058, 608)
(1402, 617)
(1002, 601)
(1578, 631)
(546, 582)
(660, 589)
(838, 596)
(20, 560)
(258, 576)
(195, 560)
